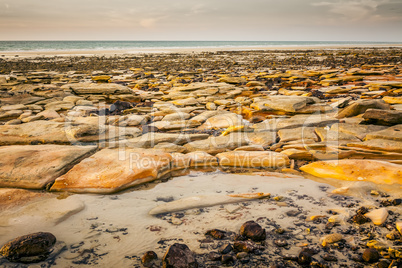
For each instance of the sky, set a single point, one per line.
(226, 20)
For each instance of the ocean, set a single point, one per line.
(16, 46)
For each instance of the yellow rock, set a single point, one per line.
(377, 216)
(331, 238)
(399, 226)
(253, 159)
(379, 172)
(375, 244)
(392, 100)
(315, 217)
(232, 129)
(342, 190)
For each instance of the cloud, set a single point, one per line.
(148, 23)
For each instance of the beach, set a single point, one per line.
(124, 155)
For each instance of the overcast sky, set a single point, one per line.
(265, 20)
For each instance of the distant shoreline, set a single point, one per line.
(121, 52)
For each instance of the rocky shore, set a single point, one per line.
(117, 126)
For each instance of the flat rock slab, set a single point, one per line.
(49, 132)
(391, 133)
(103, 88)
(383, 117)
(379, 172)
(149, 140)
(253, 159)
(112, 170)
(13, 198)
(379, 144)
(36, 166)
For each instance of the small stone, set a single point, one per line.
(360, 219)
(329, 257)
(225, 248)
(377, 216)
(241, 255)
(281, 242)
(214, 256)
(244, 246)
(383, 264)
(217, 234)
(304, 258)
(293, 213)
(253, 230)
(29, 248)
(148, 258)
(179, 255)
(226, 259)
(371, 255)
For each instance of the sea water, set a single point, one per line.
(15, 46)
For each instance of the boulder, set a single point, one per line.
(195, 159)
(179, 256)
(36, 166)
(29, 248)
(379, 172)
(112, 170)
(253, 159)
(253, 230)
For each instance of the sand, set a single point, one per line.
(118, 230)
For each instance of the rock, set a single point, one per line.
(36, 166)
(361, 106)
(289, 104)
(149, 140)
(14, 198)
(253, 159)
(330, 239)
(29, 248)
(379, 172)
(195, 159)
(244, 246)
(304, 258)
(216, 234)
(148, 258)
(59, 105)
(297, 134)
(377, 216)
(379, 144)
(232, 80)
(392, 100)
(39, 132)
(90, 88)
(179, 256)
(112, 170)
(49, 114)
(263, 138)
(176, 116)
(223, 121)
(391, 133)
(371, 255)
(383, 117)
(185, 102)
(13, 107)
(359, 131)
(225, 248)
(327, 135)
(227, 259)
(398, 226)
(214, 145)
(280, 242)
(253, 230)
(170, 147)
(301, 120)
